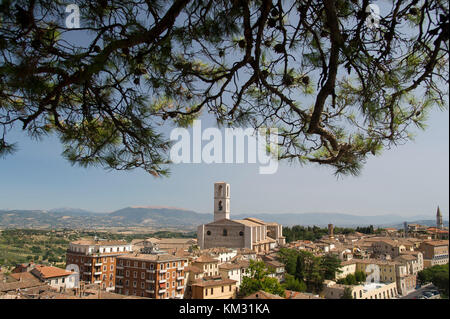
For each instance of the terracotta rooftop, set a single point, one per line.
(193, 269)
(436, 242)
(151, 257)
(299, 295)
(99, 242)
(50, 272)
(229, 266)
(205, 259)
(213, 281)
(4, 287)
(23, 276)
(261, 294)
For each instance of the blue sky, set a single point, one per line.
(409, 180)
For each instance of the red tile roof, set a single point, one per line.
(50, 272)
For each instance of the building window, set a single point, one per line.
(222, 289)
(135, 274)
(142, 275)
(241, 233)
(212, 291)
(208, 233)
(225, 232)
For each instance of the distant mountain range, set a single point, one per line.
(169, 217)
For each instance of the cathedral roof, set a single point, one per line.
(247, 222)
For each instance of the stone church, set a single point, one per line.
(251, 233)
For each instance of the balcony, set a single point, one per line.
(119, 267)
(162, 271)
(98, 264)
(161, 291)
(97, 282)
(152, 271)
(179, 296)
(180, 268)
(97, 273)
(87, 273)
(161, 281)
(150, 291)
(179, 287)
(88, 264)
(180, 278)
(151, 281)
(119, 286)
(119, 276)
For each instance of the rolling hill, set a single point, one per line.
(157, 217)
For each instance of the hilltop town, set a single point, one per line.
(226, 255)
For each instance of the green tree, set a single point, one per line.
(360, 276)
(438, 275)
(347, 293)
(300, 268)
(291, 283)
(331, 266)
(257, 278)
(337, 89)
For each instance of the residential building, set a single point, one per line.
(435, 252)
(157, 276)
(96, 260)
(55, 277)
(214, 287)
(209, 265)
(231, 271)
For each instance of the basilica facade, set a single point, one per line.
(251, 233)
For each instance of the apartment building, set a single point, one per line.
(389, 247)
(214, 287)
(231, 271)
(96, 260)
(209, 265)
(157, 276)
(435, 252)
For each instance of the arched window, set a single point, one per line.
(241, 233)
(220, 205)
(225, 232)
(208, 233)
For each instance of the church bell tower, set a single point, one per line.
(439, 223)
(221, 201)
